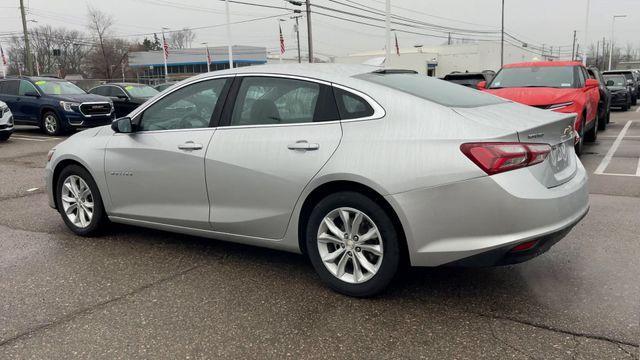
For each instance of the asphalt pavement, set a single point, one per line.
(139, 293)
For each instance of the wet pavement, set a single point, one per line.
(139, 293)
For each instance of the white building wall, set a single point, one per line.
(464, 57)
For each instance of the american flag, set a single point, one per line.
(397, 46)
(282, 48)
(165, 47)
(208, 56)
(4, 59)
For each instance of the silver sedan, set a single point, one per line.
(363, 170)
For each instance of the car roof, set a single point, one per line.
(331, 72)
(617, 71)
(123, 84)
(543, 64)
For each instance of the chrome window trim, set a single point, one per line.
(378, 110)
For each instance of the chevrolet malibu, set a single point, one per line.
(361, 169)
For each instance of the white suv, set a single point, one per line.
(6, 122)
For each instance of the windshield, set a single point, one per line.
(141, 91)
(435, 90)
(627, 75)
(618, 80)
(536, 76)
(58, 87)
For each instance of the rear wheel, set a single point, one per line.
(592, 134)
(51, 124)
(352, 244)
(602, 121)
(4, 136)
(79, 201)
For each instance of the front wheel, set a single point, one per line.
(79, 201)
(4, 136)
(353, 244)
(51, 124)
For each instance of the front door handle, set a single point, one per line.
(303, 145)
(190, 146)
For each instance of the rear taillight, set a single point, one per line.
(495, 158)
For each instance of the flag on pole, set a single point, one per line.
(397, 46)
(282, 47)
(165, 47)
(4, 59)
(208, 56)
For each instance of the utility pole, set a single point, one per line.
(543, 49)
(27, 48)
(573, 47)
(309, 33)
(449, 39)
(229, 44)
(604, 51)
(502, 41)
(297, 17)
(597, 53)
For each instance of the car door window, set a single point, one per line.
(115, 91)
(26, 87)
(102, 90)
(267, 100)
(10, 87)
(187, 108)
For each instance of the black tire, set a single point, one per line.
(51, 130)
(390, 243)
(592, 134)
(99, 218)
(580, 145)
(626, 106)
(609, 116)
(602, 122)
(4, 136)
(634, 101)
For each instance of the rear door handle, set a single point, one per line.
(190, 146)
(303, 145)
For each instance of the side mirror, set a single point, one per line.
(610, 82)
(482, 85)
(122, 125)
(32, 94)
(122, 96)
(592, 83)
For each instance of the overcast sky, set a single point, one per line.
(549, 22)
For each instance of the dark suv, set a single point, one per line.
(632, 83)
(55, 105)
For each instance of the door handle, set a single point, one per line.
(190, 146)
(303, 145)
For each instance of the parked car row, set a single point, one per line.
(58, 106)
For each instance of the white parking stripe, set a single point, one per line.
(28, 139)
(607, 159)
(638, 169)
(638, 109)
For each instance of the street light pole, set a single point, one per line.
(502, 41)
(206, 45)
(388, 32)
(613, 24)
(229, 43)
(297, 17)
(586, 32)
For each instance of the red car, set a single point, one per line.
(562, 86)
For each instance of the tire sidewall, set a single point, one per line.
(390, 240)
(98, 210)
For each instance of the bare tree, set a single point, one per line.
(182, 39)
(99, 25)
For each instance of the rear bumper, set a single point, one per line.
(488, 215)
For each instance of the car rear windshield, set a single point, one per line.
(626, 74)
(618, 80)
(56, 87)
(536, 76)
(435, 90)
(141, 91)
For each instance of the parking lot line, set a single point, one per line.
(33, 138)
(607, 159)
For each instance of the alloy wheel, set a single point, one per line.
(77, 201)
(50, 124)
(350, 245)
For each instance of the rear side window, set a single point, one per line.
(351, 106)
(435, 90)
(26, 87)
(9, 87)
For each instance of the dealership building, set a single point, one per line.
(183, 63)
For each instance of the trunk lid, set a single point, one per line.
(535, 126)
